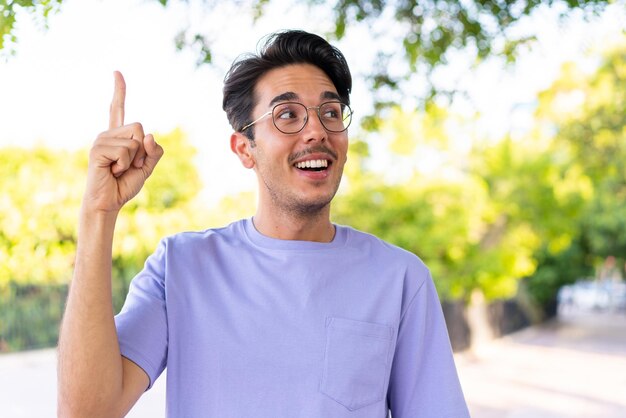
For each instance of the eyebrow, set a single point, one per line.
(330, 95)
(291, 96)
(287, 96)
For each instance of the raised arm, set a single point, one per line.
(94, 380)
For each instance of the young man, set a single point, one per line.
(281, 315)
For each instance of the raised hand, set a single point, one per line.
(120, 160)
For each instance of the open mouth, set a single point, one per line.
(312, 165)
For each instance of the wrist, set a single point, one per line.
(98, 222)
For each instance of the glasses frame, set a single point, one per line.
(306, 120)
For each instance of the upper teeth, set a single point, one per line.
(312, 164)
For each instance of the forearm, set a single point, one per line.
(90, 364)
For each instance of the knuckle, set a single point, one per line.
(96, 146)
(136, 126)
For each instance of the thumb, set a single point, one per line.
(154, 152)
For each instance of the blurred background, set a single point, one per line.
(490, 140)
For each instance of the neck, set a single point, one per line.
(313, 227)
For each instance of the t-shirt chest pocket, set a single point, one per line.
(356, 362)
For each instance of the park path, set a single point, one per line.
(571, 367)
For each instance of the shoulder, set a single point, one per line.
(378, 247)
(207, 237)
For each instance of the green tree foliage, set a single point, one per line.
(586, 116)
(597, 141)
(41, 195)
(533, 188)
(592, 128)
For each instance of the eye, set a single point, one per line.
(286, 112)
(330, 114)
(331, 111)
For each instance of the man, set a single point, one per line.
(281, 315)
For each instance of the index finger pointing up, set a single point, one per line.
(116, 112)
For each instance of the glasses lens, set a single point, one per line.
(289, 117)
(335, 116)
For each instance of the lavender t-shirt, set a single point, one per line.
(251, 326)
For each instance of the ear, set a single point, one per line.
(240, 145)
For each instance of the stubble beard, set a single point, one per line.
(290, 204)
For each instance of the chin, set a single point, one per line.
(308, 207)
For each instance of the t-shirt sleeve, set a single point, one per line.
(424, 382)
(142, 322)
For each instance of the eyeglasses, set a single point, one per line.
(291, 117)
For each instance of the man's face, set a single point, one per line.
(279, 158)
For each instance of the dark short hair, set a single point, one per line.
(280, 49)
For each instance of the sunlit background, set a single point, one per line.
(509, 182)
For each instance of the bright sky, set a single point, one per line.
(57, 90)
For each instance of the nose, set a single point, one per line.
(313, 129)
